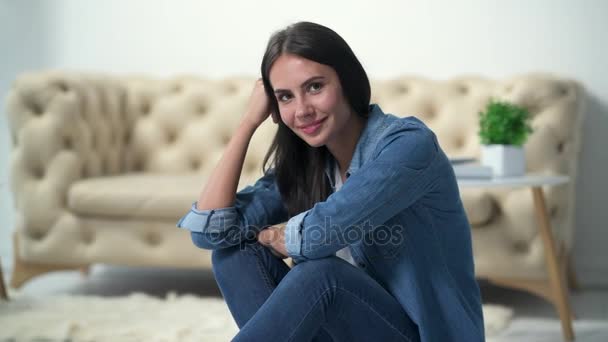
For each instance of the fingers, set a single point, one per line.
(266, 238)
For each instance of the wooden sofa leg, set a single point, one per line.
(557, 278)
(23, 271)
(572, 279)
(3, 294)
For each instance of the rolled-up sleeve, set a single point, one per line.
(256, 207)
(199, 220)
(293, 234)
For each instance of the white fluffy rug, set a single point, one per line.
(138, 317)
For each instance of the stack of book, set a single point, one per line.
(470, 168)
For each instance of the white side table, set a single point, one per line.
(555, 290)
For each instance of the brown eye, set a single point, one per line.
(283, 98)
(315, 87)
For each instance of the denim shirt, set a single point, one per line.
(400, 212)
(344, 253)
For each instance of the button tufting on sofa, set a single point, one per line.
(430, 113)
(201, 109)
(177, 88)
(462, 89)
(36, 109)
(230, 89)
(402, 89)
(145, 108)
(195, 164)
(153, 239)
(38, 172)
(36, 235)
(171, 137)
(520, 247)
(63, 87)
(459, 142)
(480, 206)
(561, 147)
(88, 237)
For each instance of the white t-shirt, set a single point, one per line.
(344, 253)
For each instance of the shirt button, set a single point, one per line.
(362, 265)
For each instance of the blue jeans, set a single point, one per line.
(325, 299)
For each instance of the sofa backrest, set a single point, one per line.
(182, 124)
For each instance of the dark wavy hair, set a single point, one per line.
(299, 167)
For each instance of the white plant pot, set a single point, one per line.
(505, 160)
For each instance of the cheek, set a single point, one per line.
(287, 115)
(329, 101)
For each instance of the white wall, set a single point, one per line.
(23, 45)
(439, 39)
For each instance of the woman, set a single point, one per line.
(365, 204)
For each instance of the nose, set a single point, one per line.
(303, 108)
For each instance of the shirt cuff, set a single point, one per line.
(293, 236)
(199, 220)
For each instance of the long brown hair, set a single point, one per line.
(299, 167)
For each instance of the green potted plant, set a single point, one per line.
(503, 129)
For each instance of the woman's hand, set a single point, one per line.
(258, 108)
(273, 237)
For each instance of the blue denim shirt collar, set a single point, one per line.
(365, 145)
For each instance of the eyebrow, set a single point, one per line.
(308, 81)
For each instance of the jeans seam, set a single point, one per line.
(356, 297)
(263, 270)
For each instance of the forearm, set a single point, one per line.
(220, 190)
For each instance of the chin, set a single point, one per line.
(317, 141)
(317, 144)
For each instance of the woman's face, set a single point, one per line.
(310, 99)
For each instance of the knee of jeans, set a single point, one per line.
(318, 268)
(231, 255)
(221, 257)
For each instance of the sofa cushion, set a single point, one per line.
(136, 195)
(479, 206)
(169, 196)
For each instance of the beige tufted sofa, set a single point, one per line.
(102, 167)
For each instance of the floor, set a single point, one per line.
(535, 320)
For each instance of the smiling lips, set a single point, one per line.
(312, 128)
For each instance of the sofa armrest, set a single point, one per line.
(64, 127)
